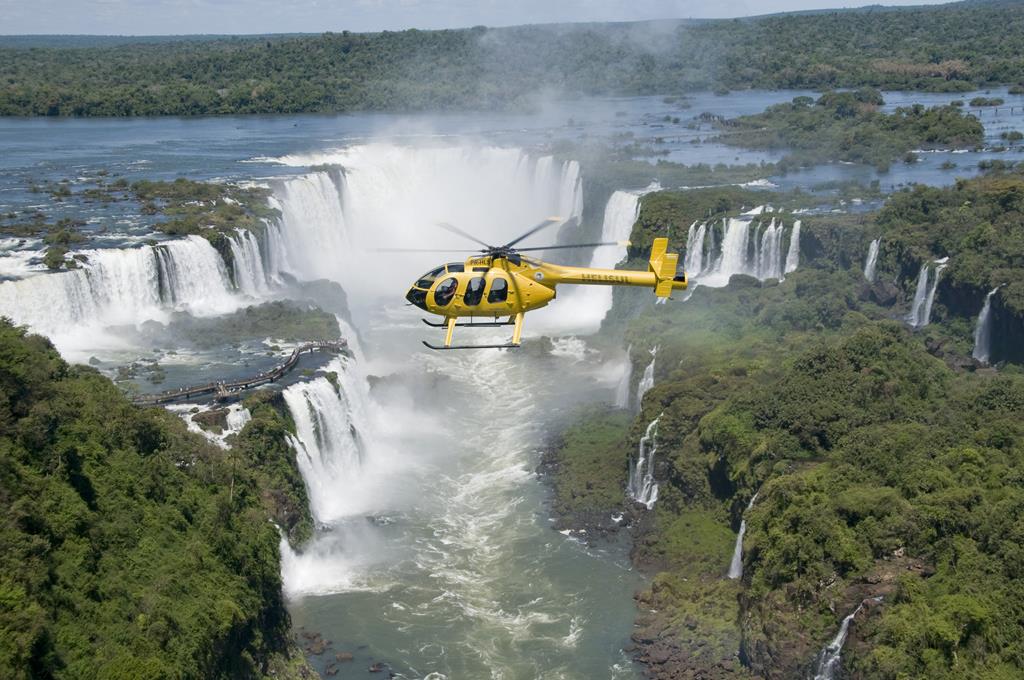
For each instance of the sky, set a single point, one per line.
(162, 17)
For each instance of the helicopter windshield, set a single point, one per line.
(428, 279)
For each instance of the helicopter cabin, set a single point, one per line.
(451, 286)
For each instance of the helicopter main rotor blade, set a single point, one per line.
(422, 250)
(533, 230)
(464, 234)
(575, 245)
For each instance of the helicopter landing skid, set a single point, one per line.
(481, 324)
(443, 347)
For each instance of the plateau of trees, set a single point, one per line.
(951, 48)
(131, 547)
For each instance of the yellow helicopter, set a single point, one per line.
(499, 281)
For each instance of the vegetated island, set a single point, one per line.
(886, 461)
(952, 48)
(847, 126)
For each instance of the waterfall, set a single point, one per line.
(914, 317)
(646, 380)
(734, 248)
(736, 566)
(829, 662)
(872, 261)
(327, 442)
(390, 194)
(983, 330)
(583, 308)
(641, 486)
(768, 263)
(118, 286)
(754, 252)
(793, 255)
(930, 300)
(250, 275)
(924, 294)
(693, 262)
(622, 391)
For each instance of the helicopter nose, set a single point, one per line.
(418, 297)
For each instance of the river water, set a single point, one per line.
(434, 551)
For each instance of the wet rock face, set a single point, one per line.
(1007, 333)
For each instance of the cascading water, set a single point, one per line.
(693, 263)
(983, 330)
(622, 390)
(736, 565)
(250, 275)
(582, 308)
(829, 661)
(793, 255)
(769, 260)
(388, 194)
(121, 286)
(641, 486)
(872, 261)
(924, 294)
(646, 380)
(328, 442)
(753, 251)
(920, 293)
(930, 300)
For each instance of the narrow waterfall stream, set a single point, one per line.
(641, 486)
(983, 330)
(871, 263)
(736, 565)
(829, 659)
(646, 380)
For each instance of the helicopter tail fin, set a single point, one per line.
(664, 265)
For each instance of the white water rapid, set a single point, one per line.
(983, 331)
(736, 565)
(872, 260)
(641, 486)
(646, 380)
(829, 660)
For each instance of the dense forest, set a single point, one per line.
(885, 461)
(953, 47)
(133, 548)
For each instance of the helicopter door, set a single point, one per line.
(474, 292)
(499, 290)
(445, 291)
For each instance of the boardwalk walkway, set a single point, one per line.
(224, 390)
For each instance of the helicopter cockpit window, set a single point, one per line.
(445, 291)
(427, 279)
(499, 291)
(454, 267)
(474, 291)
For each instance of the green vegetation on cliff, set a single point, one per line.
(847, 126)
(948, 48)
(886, 462)
(132, 548)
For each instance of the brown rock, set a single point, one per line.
(344, 656)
